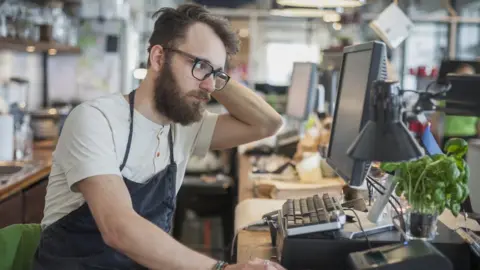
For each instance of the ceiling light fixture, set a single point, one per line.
(332, 18)
(304, 12)
(321, 3)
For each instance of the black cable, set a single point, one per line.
(375, 185)
(389, 201)
(370, 193)
(380, 184)
(399, 214)
(430, 84)
(234, 240)
(360, 225)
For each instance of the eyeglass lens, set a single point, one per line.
(201, 70)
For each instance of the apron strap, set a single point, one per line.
(170, 144)
(131, 98)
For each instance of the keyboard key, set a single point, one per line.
(333, 217)
(298, 220)
(322, 216)
(319, 206)
(285, 208)
(314, 218)
(306, 220)
(328, 202)
(304, 207)
(296, 207)
(290, 223)
(311, 205)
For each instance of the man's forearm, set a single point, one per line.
(245, 105)
(151, 247)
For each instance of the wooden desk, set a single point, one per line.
(250, 244)
(22, 196)
(41, 165)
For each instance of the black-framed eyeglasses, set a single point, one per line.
(202, 69)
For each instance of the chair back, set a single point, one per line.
(18, 244)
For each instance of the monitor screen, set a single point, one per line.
(362, 64)
(350, 108)
(300, 93)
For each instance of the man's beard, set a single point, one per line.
(171, 103)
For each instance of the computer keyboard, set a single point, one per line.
(318, 213)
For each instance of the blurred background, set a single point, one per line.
(104, 42)
(56, 54)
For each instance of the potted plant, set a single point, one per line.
(430, 185)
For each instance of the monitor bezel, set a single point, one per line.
(360, 168)
(466, 105)
(312, 86)
(444, 71)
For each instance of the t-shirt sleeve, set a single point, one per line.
(85, 147)
(204, 136)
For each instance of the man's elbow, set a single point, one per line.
(112, 237)
(114, 232)
(272, 126)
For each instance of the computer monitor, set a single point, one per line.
(329, 80)
(362, 65)
(301, 93)
(453, 66)
(463, 98)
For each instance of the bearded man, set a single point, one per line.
(120, 160)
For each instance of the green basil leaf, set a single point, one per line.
(452, 171)
(455, 209)
(439, 196)
(466, 192)
(399, 189)
(460, 164)
(438, 157)
(458, 193)
(389, 166)
(466, 173)
(456, 147)
(440, 184)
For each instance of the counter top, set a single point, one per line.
(257, 244)
(33, 171)
(250, 244)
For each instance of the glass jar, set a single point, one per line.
(421, 225)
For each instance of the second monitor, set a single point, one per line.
(301, 93)
(362, 64)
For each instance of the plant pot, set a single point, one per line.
(421, 226)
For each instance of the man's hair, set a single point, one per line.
(172, 24)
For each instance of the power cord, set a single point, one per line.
(360, 225)
(370, 193)
(262, 222)
(374, 183)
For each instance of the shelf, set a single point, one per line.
(30, 46)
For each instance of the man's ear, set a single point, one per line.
(157, 57)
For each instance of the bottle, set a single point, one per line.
(24, 141)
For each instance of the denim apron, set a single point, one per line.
(74, 241)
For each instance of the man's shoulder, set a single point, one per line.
(108, 106)
(107, 102)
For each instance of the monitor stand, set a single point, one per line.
(353, 230)
(375, 220)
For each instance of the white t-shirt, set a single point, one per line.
(93, 142)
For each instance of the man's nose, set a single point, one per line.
(208, 84)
